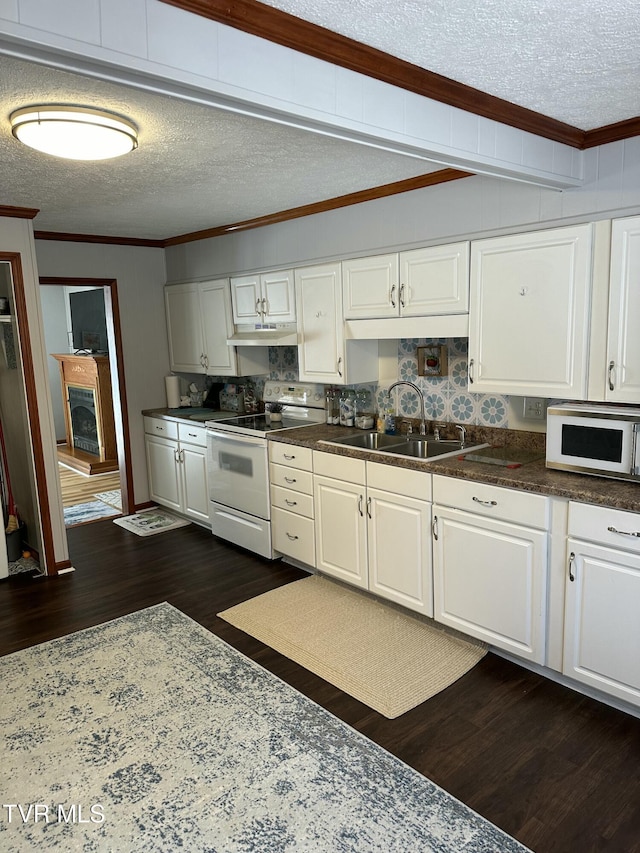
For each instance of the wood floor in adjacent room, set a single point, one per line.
(557, 770)
(79, 488)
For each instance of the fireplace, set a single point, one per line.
(90, 434)
(84, 426)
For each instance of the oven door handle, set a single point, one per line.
(239, 438)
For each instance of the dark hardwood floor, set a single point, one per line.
(558, 771)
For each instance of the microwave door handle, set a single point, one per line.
(635, 451)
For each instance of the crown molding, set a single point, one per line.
(419, 182)
(65, 237)
(18, 212)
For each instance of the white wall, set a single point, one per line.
(471, 207)
(140, 274)
(56, 340)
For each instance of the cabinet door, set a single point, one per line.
(370, 287)
(193, 464)
(528, 320)
(399, 547)
(246, 298)
(490, 581)
(602, 629)
(341, 534)
(278, 291)
(623, 341)
(220, 358)
(319, 305)
(163, 471)
(184, 328)
(435, 280)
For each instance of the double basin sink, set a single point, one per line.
(413, 446)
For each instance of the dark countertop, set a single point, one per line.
(185, 414)
(531, 477)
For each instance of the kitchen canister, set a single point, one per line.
(172, 385)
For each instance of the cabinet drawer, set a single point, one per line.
(158, 426)
(492, 501)
(292, 478)
(192, 434)
(290, 501)
(339, 467)
(605, 525)
(294, 535)
(402, 481)
(291, 455)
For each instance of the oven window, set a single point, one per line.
(236, 464)
(592, 443)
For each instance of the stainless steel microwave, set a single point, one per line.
(592, 439)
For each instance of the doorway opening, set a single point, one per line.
(86, 377)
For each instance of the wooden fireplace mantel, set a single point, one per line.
(89, 372)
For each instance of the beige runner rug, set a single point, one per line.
(377, 653)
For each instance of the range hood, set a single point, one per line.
(287, 336)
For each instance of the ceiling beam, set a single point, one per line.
(287, 30)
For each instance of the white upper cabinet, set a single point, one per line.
(623, 340)
(416, 283)
(264, 298)
(184, 328)
(529, 313)
(198, 325)
(323, 353)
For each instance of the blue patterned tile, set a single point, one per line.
(493, 411)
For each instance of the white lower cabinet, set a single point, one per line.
(177, 467)
(602, 602)
(490, 564)
(373, 528)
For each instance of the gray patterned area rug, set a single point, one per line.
(149, 733)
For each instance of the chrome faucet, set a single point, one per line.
(463, 434)
(423, 422)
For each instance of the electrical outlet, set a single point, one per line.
(533, 408)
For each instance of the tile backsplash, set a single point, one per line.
(446, 397)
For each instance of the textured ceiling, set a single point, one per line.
(197, 167)
(577, 61)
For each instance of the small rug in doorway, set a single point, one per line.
(83, 513)
(377, 653)
(149, 733)
(113, 498)
(148, 522)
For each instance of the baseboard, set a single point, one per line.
(565, 681)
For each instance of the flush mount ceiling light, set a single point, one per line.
(76, 133)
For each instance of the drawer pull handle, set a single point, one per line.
(160, 428)
(572, 560)
(192, 434)
(290, 503)
(290, 480)
(289, 456)
(293, 538)
(484, 503)
(624, 532)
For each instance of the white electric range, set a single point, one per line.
(238, 463)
